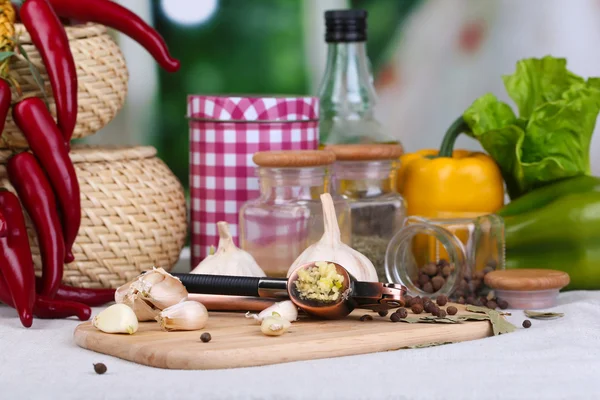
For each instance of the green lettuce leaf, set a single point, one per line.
(551, 137)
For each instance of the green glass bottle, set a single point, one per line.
(347, 96)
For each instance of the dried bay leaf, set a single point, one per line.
(543, 315)
(424, 345)
(499, 324)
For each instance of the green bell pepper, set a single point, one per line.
(561, 231)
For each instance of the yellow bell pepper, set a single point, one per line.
(449, 184)
(466, 185)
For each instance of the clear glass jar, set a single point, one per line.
(288, 216)
(365, 176)
(434, 257)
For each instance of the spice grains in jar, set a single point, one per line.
(365, 174)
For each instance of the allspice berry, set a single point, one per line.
(402, 312)
(395, 317)
(446, 271)
(366, 317)
(441, 313)
(430, 269)
(441, 300)
(526, 323)
(382, 313)
(492, 304)
(503, 304)
(428, 287)
(423, 279)
(205, 337)
(100, 368)
(451, 310)
(417, 308)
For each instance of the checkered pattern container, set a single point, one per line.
(225, 132)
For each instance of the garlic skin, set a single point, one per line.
(228, 259)
(118, 318)
(286, 310)
(330, 248)
(184, 316)
(274, 325)
(150, 293)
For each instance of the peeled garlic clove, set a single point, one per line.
(286, 309)
(184, 316)
(331, 248)
(228, 259)
(274, 326)
(118, 318)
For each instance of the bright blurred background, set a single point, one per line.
(431, 59)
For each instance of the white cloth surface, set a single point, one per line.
(558, 359)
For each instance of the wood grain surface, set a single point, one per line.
(238, 342)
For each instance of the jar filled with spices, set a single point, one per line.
(364, 174)
(288, 216)
(451, 257)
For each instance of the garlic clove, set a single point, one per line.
(142, 310)
(331, 248)
(184, 316)
(228, 259)
(274, 325)
(118, 318)
(285, 309)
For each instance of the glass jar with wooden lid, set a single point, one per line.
(365, 175)
(288, 217)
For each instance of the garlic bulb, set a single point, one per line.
(274, 325)
(286, 309)
(228, 259)
(331, 248)
(117, 318)
(150, 293)
(184, 316)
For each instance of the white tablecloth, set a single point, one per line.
(557, 359)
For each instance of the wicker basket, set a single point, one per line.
(101, 73)
(133, 215)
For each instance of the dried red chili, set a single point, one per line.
(50, 38)
(5, 99)
(16, 263)
(111, 14)
(45, 141)
(28, 178)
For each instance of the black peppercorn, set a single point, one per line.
(492, 304)
(395, 317)
(100, 368)
(382, 313)
(503, 304)
(205, 337)
(401, 312)
(441, 313)
(366, 317)
(526, 323)
(437, 282)
(451, 310)
(417, 308)
(441, 300)
(428, 287)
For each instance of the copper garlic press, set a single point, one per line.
(365, 295)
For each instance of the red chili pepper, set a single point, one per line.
(43, 136)
(3, 228)
(5, 99)
(90, 297)
(111, 14)
(35, 192)
(47, 308)
(50, 38)
(16, 263)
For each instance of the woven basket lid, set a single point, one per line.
(94, 153)
(248, 109)
(293, 158)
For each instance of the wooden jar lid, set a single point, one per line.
(527, 279)
(293, 158)
(365, 152)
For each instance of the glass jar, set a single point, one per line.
(365, 176)
(434, 257)
(288, 216)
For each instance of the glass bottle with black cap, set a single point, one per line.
(347, 96)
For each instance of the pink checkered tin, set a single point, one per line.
(225, 132)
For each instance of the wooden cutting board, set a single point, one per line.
(238, 342)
